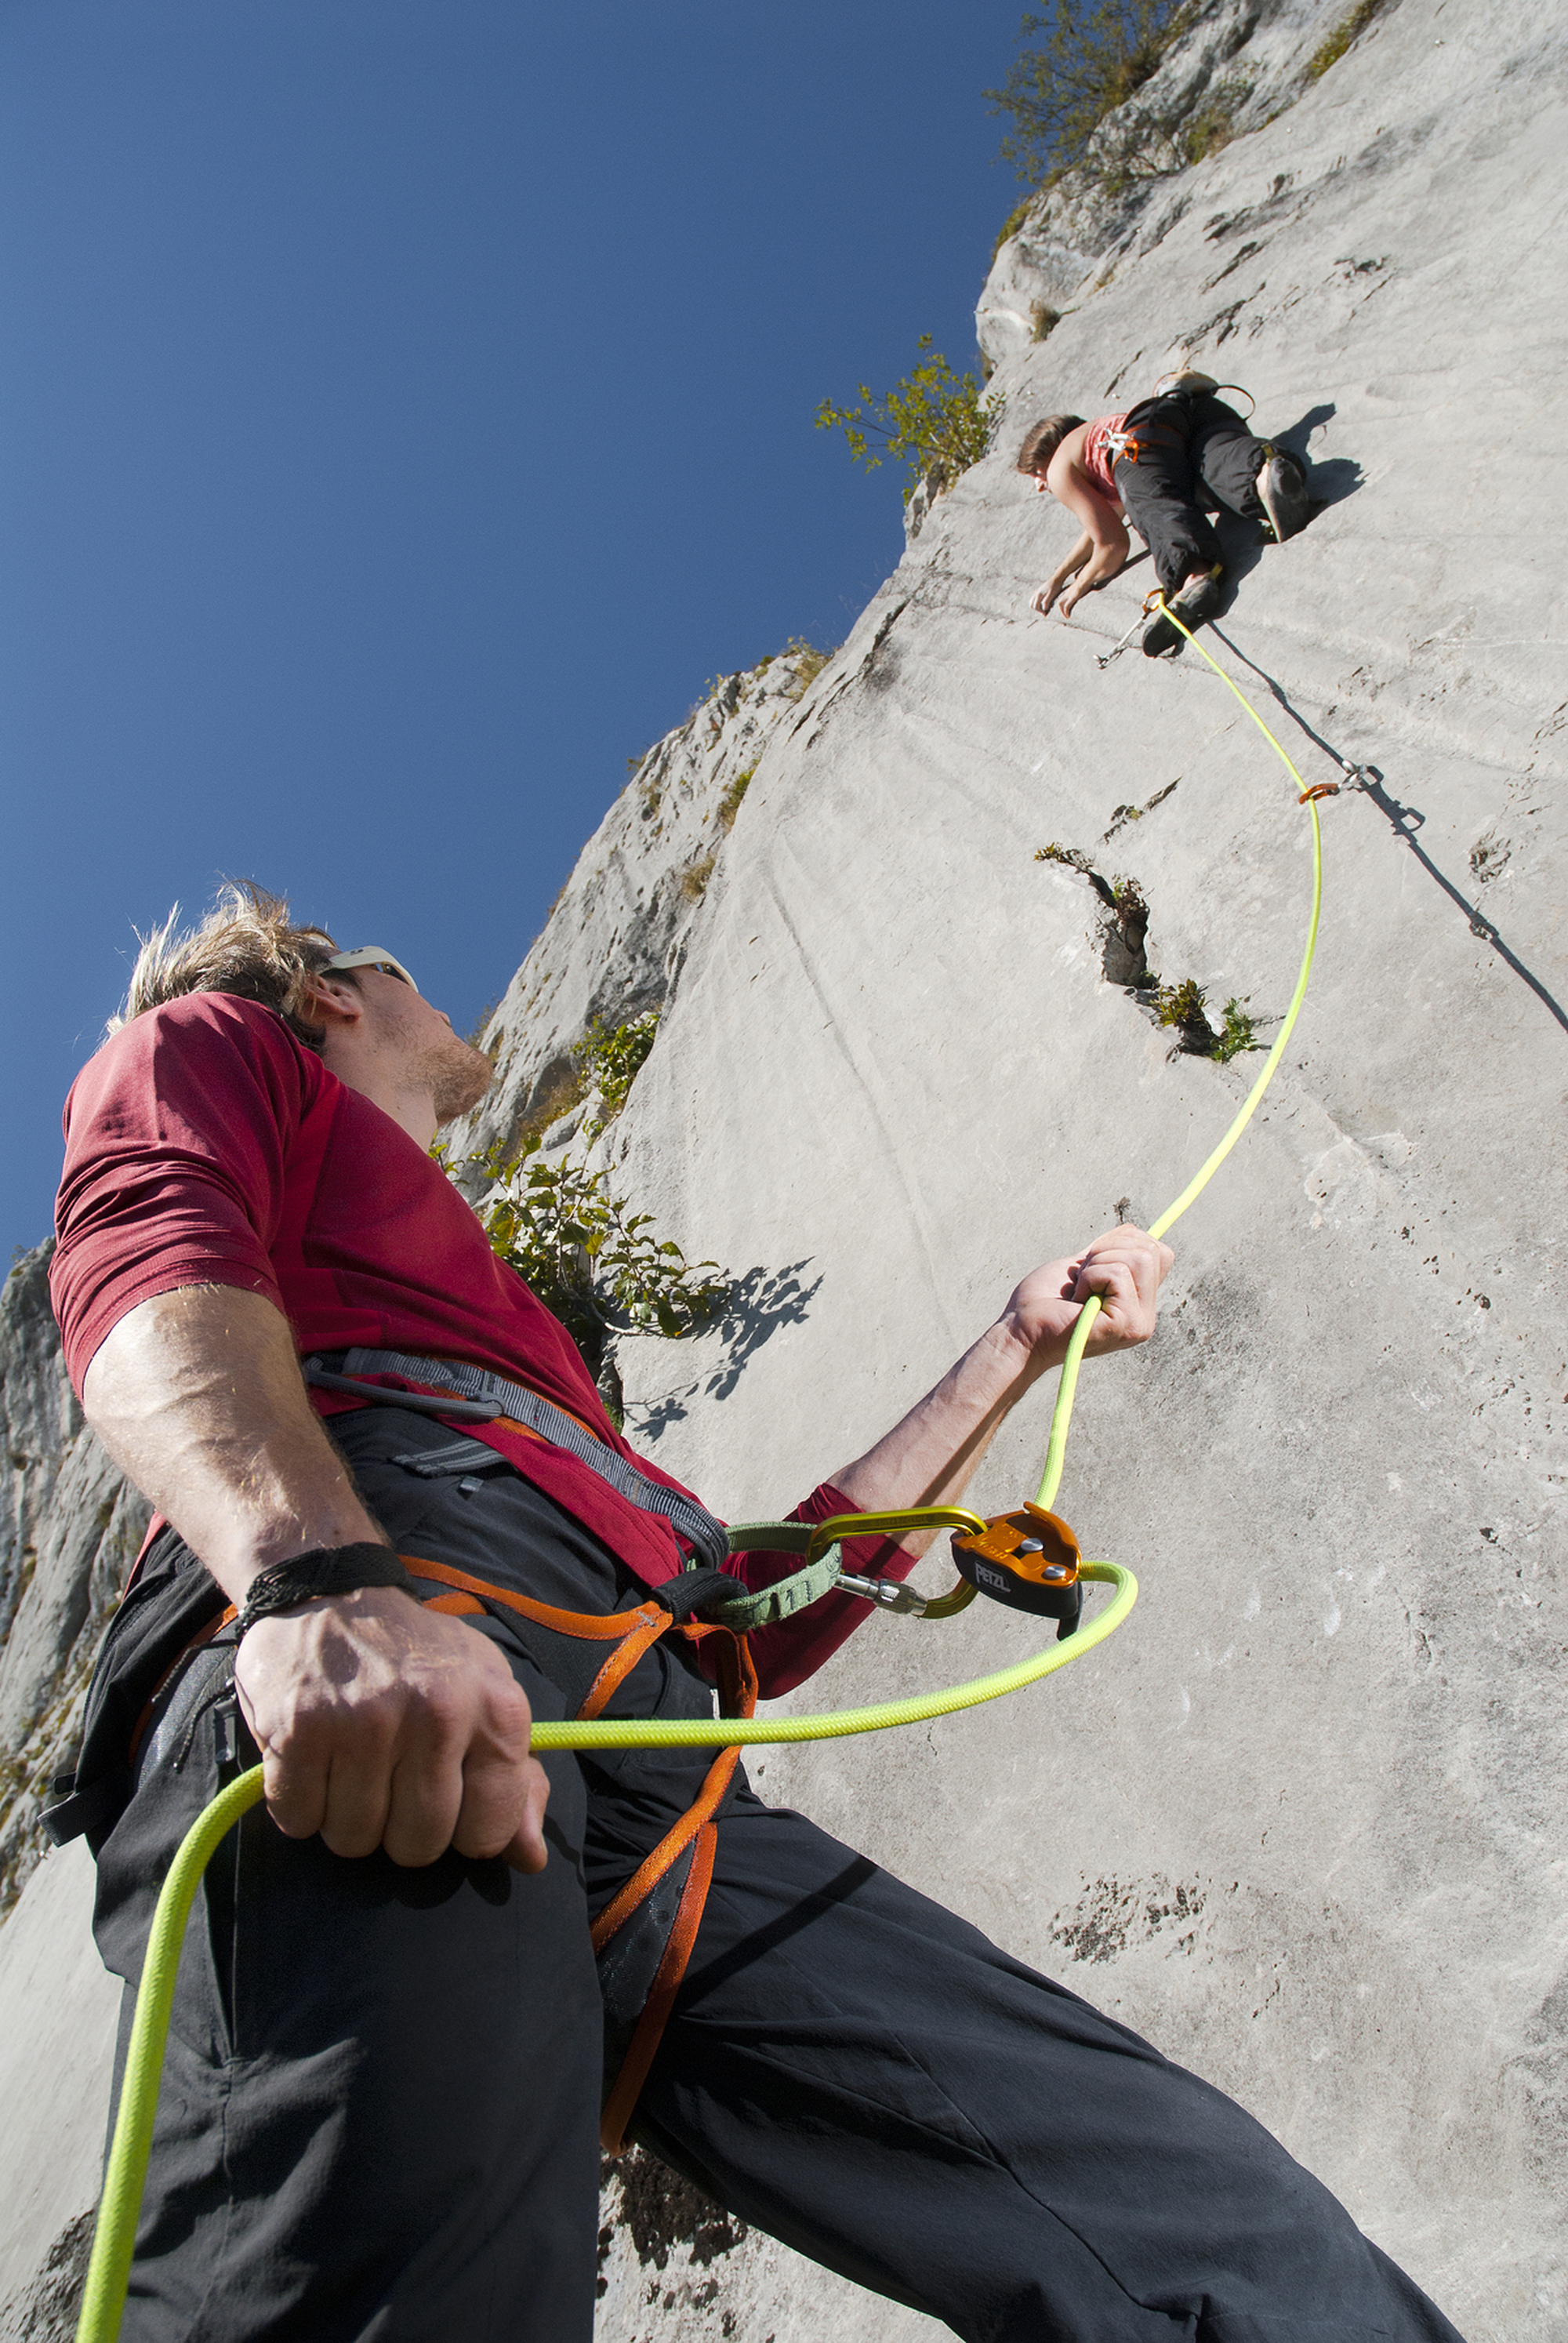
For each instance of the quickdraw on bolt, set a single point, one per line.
(1103, 659)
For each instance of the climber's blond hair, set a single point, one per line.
(247, 944)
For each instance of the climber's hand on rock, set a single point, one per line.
(383, 1724)
(1044, 596)
(1125, 1267)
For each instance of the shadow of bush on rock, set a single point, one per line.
(760, 1304)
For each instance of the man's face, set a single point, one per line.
(404, 1025)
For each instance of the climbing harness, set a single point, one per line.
(1028, 1559)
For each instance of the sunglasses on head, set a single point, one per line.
(368, 956)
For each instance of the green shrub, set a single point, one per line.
(934, 420)
(567, 1088)
(1012, 225)
(610, 1059)
(597, 1266)
(728, 805)
(1349, 28)
(1237, 1035)
(1043, 320)
(1182, 1005)
(1095, 56)
(1214, 124)
(809, 663)
(695, 876)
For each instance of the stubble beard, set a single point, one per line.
(458, 1077)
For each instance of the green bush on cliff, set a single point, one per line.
(597, 1265)
(934, 421)
(1094, 56)
(611, 1058)
(1349, 28)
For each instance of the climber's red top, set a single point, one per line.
(204, 1145)
(1098, 459)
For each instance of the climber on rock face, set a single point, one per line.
(390, 2039)
(1164, 463)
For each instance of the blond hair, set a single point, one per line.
(248, 945)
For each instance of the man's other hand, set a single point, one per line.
(383, 1724)
(1126, 1269)
(1044, 596)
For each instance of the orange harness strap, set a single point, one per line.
(634, 1632)
(628, 2088)
(203, 1635)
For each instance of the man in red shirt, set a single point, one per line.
(1167, 462)
(384, 2073)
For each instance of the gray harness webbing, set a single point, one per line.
(484, 1396)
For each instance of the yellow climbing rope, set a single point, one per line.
(108, 2272)
(1062, 1414)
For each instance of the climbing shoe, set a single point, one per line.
(1199, 600)
(1283, 493)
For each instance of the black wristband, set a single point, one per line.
(325, 1570)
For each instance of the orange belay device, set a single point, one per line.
(1029, 1560)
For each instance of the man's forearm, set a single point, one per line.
(198, 1396)
(929, 1458)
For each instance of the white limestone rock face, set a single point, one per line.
(69, 1530)
(59, 2009)
(1301, 1823)
(617, 933)
(1237, 65)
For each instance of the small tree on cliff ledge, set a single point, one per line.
(596, 1264)
(1095, 56)
(934, 420)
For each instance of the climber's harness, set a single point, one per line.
(1139, 434)
(467, 1395)
(682, 1862)
(643, 1939)
(670, 1888)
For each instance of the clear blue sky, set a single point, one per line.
(404, 409)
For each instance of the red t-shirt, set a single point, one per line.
(1098, 459)
(205, 1146)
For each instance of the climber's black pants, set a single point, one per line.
(378, 2121)
(1195, 456)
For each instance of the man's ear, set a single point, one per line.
(335, 1002)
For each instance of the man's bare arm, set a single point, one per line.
(379, 1723)
(928, 1459)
